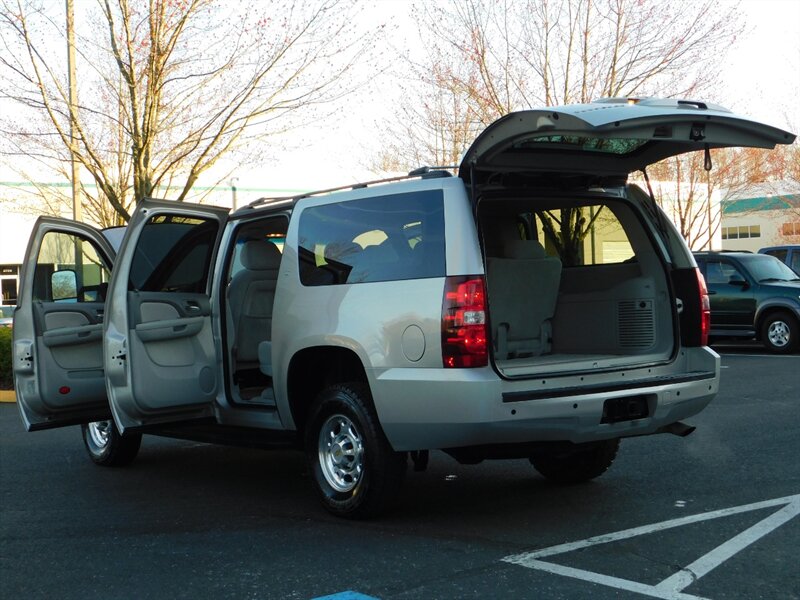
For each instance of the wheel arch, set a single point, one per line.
(774, 306)
(313, 369)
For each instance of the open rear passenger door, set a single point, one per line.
(58, 326)
(160, 358)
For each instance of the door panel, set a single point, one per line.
(58, 344)
(160, 355)
(172, 337)
(733, 307)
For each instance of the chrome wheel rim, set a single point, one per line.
(341, 453)
(100, 432)
(778, 333)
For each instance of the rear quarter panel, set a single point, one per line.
(387, 324)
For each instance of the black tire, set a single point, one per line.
(780, 332)
(354, 470)
(105, 445)
(578, 464)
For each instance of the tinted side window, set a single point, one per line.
(69, 269)
(173, 254)
(721, 273)
(779, 254)
(375, 239)
(796, 261)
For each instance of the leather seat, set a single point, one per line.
(251, 295)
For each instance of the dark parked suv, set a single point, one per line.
(789, 254)
(752, 296)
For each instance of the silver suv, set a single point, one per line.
(535, 306)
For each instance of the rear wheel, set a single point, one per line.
(578, 464)
(105, 445)
(354, 469)
(779, 332)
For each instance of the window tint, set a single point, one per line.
(779, 254)
(173, 254)
(69, 269)
(376, 239)
(721, 273)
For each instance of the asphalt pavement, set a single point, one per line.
(713, 515)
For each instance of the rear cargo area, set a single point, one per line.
(574, 283)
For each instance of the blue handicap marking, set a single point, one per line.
(348, 595)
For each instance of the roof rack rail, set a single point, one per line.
(421, 172)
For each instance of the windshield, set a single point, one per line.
(768, 268)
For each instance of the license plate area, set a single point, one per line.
(627, 408)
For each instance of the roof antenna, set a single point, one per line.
(707, 165)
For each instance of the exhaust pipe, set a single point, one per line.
(677, 428)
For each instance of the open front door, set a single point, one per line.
(160, 357)
(58, 326)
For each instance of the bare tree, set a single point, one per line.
(487, 58)
(170, 86)
(693, 196)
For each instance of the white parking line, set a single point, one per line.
(673, 586)
(736, 355)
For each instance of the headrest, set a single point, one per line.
(497, 229)
(342, 252)
(524, 249)
(259, 255)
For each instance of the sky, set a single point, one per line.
(761, 79)
(762, 73)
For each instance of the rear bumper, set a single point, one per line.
(428, 408)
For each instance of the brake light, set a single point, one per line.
(705, 309)
(464, 340)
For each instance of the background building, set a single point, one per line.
(760, 217)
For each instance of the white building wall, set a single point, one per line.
(762, 228)
(673, 196)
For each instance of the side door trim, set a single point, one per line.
(129, 335)
(33, 340)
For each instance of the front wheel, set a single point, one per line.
(779, 332)
(354, 470)
(578, 464)
(105, 445)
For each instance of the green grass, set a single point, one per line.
(6, 376)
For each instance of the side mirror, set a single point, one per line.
(64, 286)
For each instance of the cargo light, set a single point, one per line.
(464, 339)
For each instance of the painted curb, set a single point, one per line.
(7, 396)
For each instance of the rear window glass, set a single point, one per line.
(580, 143)
(584, 235)
(387, 238)
(578, 235)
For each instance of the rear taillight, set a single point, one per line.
(464, 322)
(705, 309)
